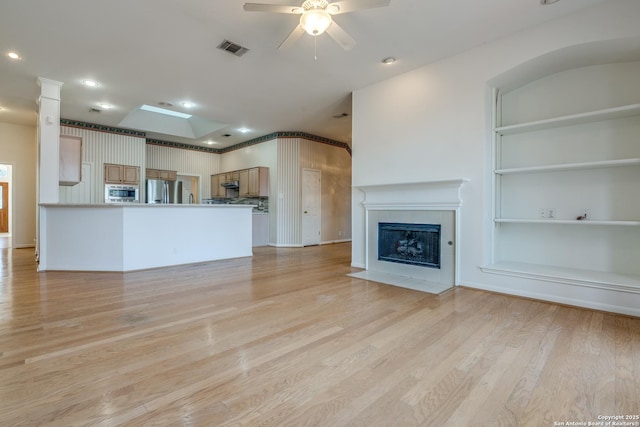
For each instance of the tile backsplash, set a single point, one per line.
(262, 203)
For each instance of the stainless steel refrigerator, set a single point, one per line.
(162, 191)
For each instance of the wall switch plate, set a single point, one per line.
(542, 213)
(551, 213)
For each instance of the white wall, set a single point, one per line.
(435, 124)
(18, 147)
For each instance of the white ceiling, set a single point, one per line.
(148, 51)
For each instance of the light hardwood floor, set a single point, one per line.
(285, 338)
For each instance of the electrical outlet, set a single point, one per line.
(551, 213)
(542, 213)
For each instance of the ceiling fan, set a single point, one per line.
(316, 18)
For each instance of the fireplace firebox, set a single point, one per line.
(415, 244)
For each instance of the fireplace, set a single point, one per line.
(410, 234)
(414, 244)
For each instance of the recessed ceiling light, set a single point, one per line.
(14, 56)
(90, 83)
(545, 2)
(243, 130)
(165, 112)
(210, 142)
(105, 106)
(389, 60)
(187, 104)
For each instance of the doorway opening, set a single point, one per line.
(190, 186)
(5, 205)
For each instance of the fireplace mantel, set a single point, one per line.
(442, 194)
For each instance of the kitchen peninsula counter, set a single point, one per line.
(136, 236)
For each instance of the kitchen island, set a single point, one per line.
(136, 236)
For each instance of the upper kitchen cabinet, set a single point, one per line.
(217, 190)
(121, 174)
(232, 176)
(161, 174)
(254, 182)
(243, 184)
(70, 160)
(258, 185)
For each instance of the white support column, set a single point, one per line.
(48, 140)
(48, 156)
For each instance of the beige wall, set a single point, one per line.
(285, 158)
(334, 165)
(18, 147)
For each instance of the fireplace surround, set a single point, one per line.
(430, 203)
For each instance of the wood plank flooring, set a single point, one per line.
(285, 338)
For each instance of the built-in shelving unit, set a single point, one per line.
(567, 187)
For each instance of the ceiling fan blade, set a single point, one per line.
(273, 8)
(340, 36)
(292, 38)
(347, 6)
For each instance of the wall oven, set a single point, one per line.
(118, 193)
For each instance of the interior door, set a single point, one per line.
(4, 207)
(311, 205)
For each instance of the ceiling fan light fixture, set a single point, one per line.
(315, 21)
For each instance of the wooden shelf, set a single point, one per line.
(587, 222)
(570, 167)
(606, 114)
(573, 276)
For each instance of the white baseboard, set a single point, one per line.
(613, 308)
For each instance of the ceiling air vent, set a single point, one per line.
(94, 110)
(233, 48)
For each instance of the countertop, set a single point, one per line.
(142, 205)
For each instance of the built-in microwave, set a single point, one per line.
(118, 193)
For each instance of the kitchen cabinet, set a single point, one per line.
(121, 174)
(232, 176)
(70, 160)
(218, 190)
(254, 182)
(161, 174)
(258, 185)
(243, 190)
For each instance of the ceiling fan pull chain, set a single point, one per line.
(315, 48)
